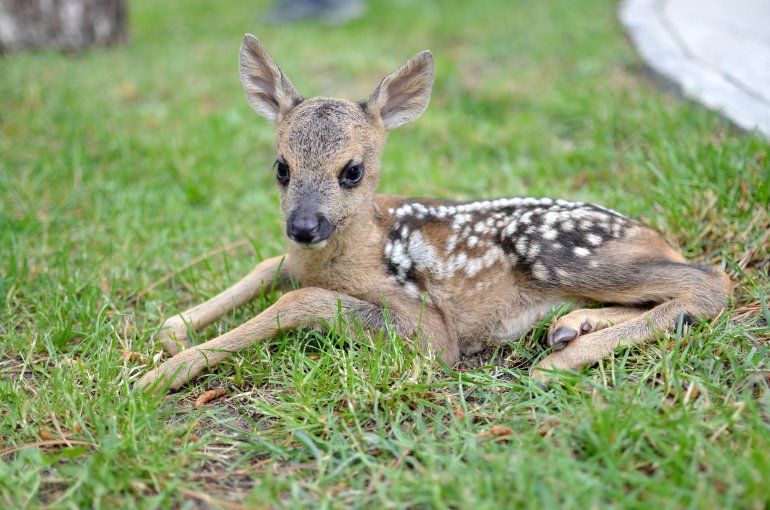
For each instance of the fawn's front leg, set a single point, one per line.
(173, 333)
(307, 307)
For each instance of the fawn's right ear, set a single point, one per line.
(268, 90)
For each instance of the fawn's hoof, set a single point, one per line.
(560, 337)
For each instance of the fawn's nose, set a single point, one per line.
(308, 227)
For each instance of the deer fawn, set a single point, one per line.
(457, 276)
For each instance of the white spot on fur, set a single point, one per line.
(492, 255)
(550, 234)
(593, 239)
(539, 271)
(472, 241)
(473, 267)
(580, 251)
(404, 210)
(510, 229)
(460, 220)
(454, 263)
(550, 218)
(421, 252)
(412, 289)
(580, 214)
(399, 256)
(451, 243)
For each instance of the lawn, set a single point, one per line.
(136, 182)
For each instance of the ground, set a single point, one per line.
(136, 182)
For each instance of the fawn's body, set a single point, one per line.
(456, 275)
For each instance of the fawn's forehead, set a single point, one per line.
(322, 128)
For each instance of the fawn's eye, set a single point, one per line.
(351, 176)
(282, 172)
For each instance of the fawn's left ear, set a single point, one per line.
(268, 90)
(404, 94)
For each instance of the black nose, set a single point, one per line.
(308, 227)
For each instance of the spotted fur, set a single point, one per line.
(542, 237)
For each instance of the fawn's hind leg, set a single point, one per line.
(173, 333)
(635, 271)
(588, 349)
(588, 320)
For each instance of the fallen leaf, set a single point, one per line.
(132, 356)
(208, 396)
(192, 439)
(497, 431)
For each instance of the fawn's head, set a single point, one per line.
(328, 161)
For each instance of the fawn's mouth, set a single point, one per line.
(313, 240)
(317, 245)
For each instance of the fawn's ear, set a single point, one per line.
(404, 94)
(268, 90)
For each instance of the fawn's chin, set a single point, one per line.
(317, 245)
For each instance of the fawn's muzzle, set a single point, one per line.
(308, 227)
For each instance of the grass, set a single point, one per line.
(119, 167)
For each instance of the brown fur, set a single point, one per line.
(457, 276)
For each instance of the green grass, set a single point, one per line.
(120, 166)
